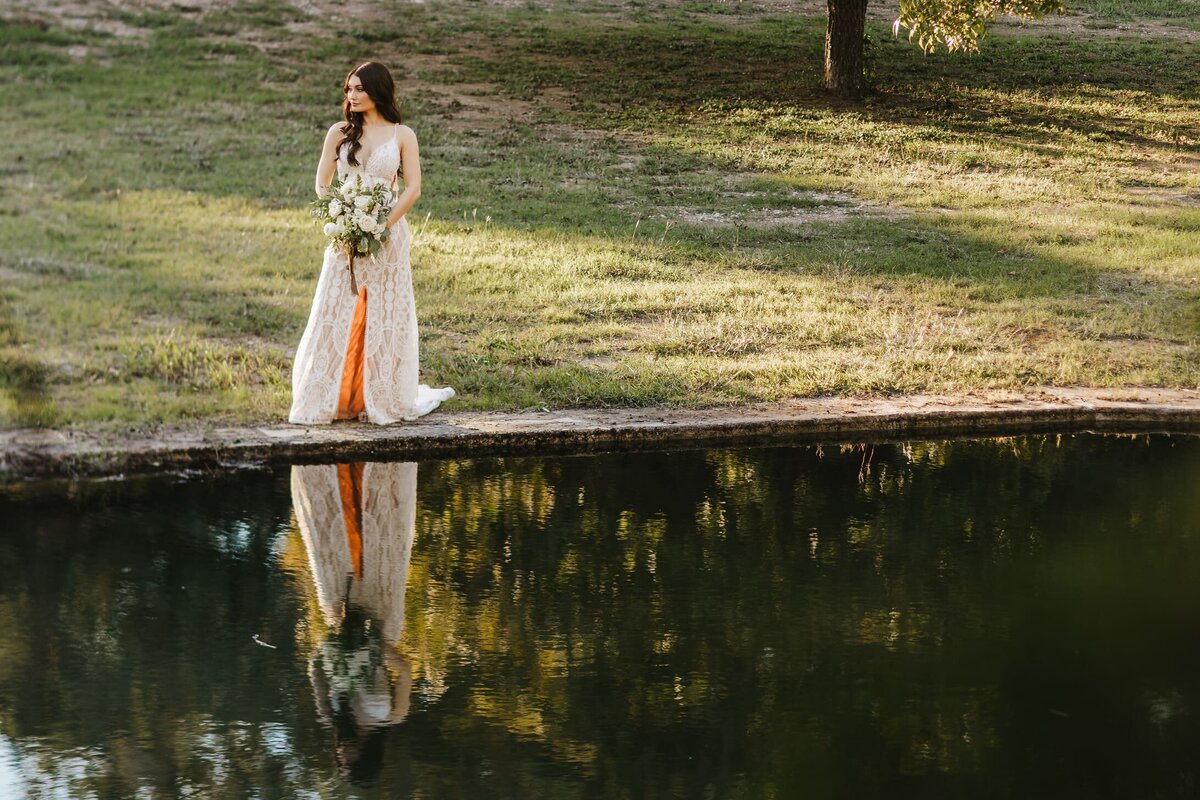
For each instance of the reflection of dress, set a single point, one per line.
(360, 578)
(390, 354)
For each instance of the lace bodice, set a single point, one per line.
(380, 166)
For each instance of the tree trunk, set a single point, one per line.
(844, 47)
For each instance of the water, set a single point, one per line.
(1013, 618)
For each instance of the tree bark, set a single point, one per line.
(844, 47)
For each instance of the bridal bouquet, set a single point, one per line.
(355, 215)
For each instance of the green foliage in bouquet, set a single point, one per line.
(354, 215)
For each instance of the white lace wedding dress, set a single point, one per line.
(390, 354)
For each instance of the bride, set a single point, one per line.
(358, 357)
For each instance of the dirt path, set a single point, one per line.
(107, 15)
(30, 454)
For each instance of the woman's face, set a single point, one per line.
(360, 101)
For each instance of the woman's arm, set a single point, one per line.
(410, 159)
(328, 162)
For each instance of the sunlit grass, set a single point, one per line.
(694, 224)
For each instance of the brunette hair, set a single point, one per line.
(378, 84)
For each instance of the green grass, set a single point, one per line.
(1180, 13)
(602, 236)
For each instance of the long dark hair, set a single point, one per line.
(378, 84)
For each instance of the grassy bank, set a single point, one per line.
(622, 206)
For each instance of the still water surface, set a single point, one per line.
(1014, 618)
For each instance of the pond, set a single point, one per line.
(977, 618)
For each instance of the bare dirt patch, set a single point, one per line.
(101, 15)
(825, 208)
(1154, 195)
(1080, 25)
(110, 15)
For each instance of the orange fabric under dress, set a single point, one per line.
(350, 401)
(350, 485)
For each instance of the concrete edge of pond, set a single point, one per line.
(27, 454)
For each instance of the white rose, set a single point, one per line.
(330, 229)
(363, 200)
(335, 208)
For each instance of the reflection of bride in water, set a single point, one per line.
(357, 522)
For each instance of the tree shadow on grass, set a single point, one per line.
(677, 77)
(638, 73)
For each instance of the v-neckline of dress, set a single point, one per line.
(367, 161)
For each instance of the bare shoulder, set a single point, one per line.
(335, 132)
(406, 134)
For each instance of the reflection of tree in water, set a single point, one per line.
(127, 665)
(828, 604)
(357, 525)
(788, 621)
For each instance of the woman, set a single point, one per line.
(358, 356)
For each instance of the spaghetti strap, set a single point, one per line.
(400, 160)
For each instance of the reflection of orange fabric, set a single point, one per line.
(350, 402)
(350, 484)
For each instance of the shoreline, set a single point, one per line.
(30, 454)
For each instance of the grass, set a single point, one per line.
(1179, 13)
(655, 206)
